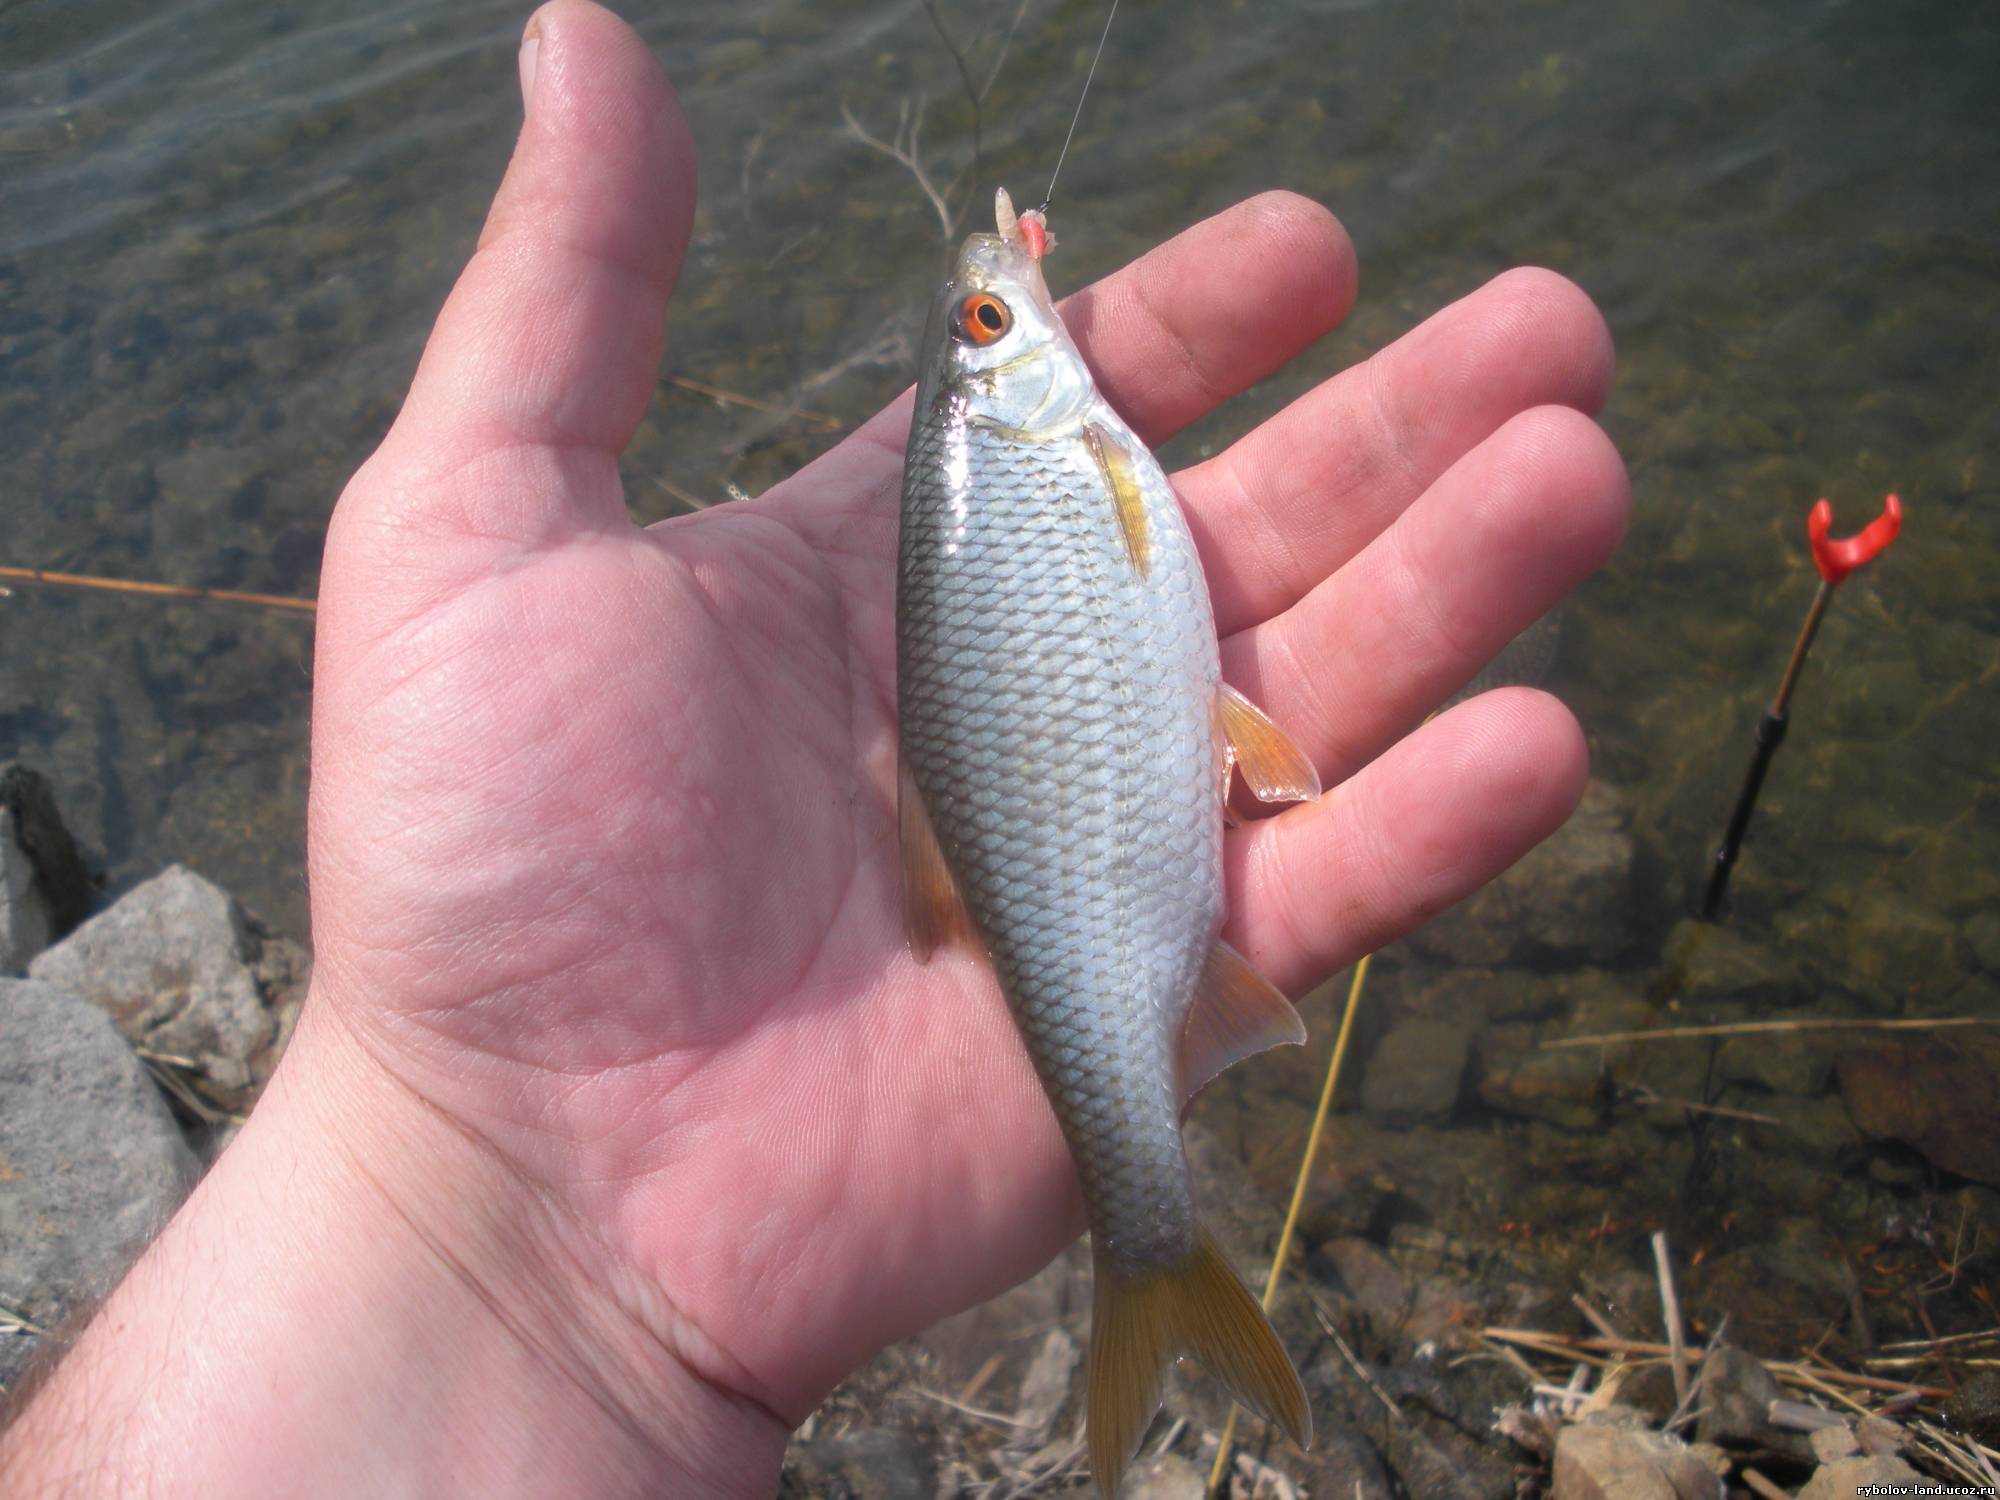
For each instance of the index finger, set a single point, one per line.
(1214, 310)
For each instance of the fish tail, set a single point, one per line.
(1140, 1323)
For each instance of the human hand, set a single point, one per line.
(602, 834)
(603, 852)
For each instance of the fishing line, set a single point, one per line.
(1050, 194)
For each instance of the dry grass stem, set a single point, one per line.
(985, 1373)
(1670, 1313)
(167, 1070)
(1652, 1100)
(1593, 1317)
(1796, 1371)
(980, 1412)
(1755, 1481)
(1353, 1360)
(159, 590)
(1981, 1335)
(1766, 1028)
(693, 502)
(824, 421)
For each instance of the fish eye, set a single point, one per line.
(982, 318)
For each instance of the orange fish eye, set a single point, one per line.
(983, 318)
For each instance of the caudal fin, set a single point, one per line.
(1141, 1323)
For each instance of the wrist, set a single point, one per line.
(362, 1298)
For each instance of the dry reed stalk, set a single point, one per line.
(1766, 1028)
(158, 590)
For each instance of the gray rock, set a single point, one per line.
(91, 1162)
(1371, 1280)
(44, 891)
(881, 1464)
(1571, 1087)
(1608, 1462)
(1831, 1444)
(1736, 1396)
(1569, 897)
(24, 916)
(1934, 1092)
(1718, 964)
(185, 974)
(1044, 1388)
(1168, 1477)
(1901, 946)
(1417, 1070)
(1982, 936)
(1842, 1480)
(1975, 1409)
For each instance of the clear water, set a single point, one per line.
(225, 226)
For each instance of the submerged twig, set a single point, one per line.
(906, 147)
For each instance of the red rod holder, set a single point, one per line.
(1836, 559)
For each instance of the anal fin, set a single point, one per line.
(1275, 768)
(934, 914)
(1236, 1013)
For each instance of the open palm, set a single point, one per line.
(602, 832)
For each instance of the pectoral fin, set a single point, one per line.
(1236, 1013)
(1276, 769)
(934, 915)
(1121, 482)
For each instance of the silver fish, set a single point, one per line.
(1067, 745)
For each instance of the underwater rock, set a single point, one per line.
(1371, 1280)
(1933, 1091)
(1715, 963)
(1570, 897)
(1619, 1461)
(1982, 936)
(91, 1161)
(1736, 1396)
(1975, 1408)
(44, 890)
(185, 974)
(1843, 1479)
(1417, 1071)
(1904, 947)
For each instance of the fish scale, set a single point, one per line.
(1096, 875)
(1061, 705)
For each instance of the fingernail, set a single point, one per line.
(531, 52)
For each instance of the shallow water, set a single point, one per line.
(225, 227)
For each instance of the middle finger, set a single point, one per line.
(1290, 502)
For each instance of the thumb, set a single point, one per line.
(548, 349)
